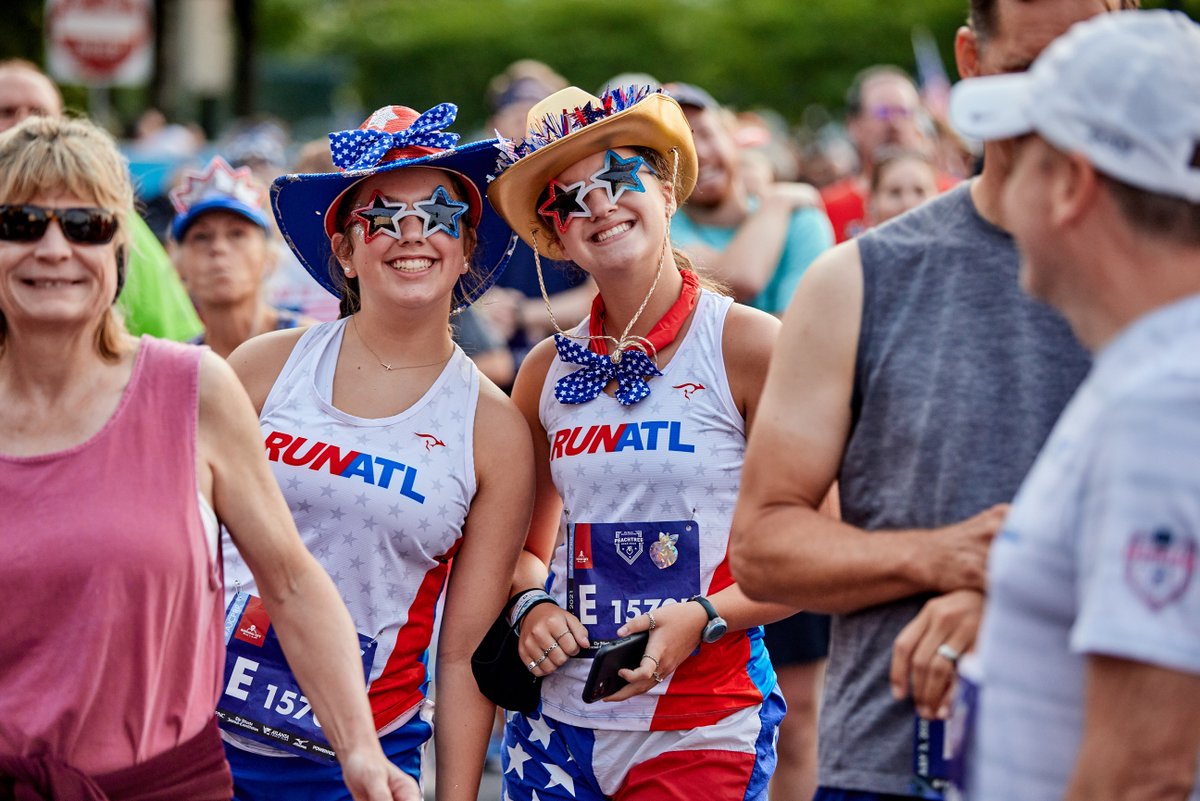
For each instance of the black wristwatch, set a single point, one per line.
(716, 627)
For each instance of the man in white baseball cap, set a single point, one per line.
(1091, 640)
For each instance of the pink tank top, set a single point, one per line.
(110, 627)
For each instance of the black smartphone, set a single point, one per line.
(602, 680)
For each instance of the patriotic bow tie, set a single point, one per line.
(585, 384)
(362, 149)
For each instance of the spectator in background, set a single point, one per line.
(901, 180)
(883, 110)
(153, 300)
(223, 247)
(514, 309)
(758, 246)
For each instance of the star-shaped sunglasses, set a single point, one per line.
(438, 212)
(614, 177)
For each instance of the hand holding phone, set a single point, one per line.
(603, 680)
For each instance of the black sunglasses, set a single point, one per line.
(83, 226)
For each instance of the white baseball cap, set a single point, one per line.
(1123, 89)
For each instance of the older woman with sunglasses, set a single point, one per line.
(117, 458)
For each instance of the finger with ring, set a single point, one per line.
(539, 661)
(564, 634)
(945, 650)
(532, 666)
(653, 622)
(546, 653)
(653, 659)
(657, 678)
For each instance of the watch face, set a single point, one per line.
(715, 630)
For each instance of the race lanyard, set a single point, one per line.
(618, 571)
(260, 698)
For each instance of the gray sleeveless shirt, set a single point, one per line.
(958, 381)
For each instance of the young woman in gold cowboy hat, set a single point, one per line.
(394, 454)
(639, 419)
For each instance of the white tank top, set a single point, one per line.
(379, 502)
(648, 493)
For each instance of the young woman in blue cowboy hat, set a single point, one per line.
(639, 419)
(394, 454)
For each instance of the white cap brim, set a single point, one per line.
(992, 107)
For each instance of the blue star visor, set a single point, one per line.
(617, 175)
(438, 212)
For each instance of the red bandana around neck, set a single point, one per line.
(664, 331)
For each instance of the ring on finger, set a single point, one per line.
(546, 653)
(947, 651)
(657, 678)
(653, 659)
(538, 661)
(532, 666)
(564, 634)
(653, 622)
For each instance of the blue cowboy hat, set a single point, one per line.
(392, 138)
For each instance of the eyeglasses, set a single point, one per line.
(439, 212)
(83, 226)
(889, 113)
(614, 177)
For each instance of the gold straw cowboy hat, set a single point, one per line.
(572, 124)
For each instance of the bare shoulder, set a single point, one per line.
(531, 377)
(258, 361)
(502, 443)
(223, 401)
(832, 285)
(749, 336)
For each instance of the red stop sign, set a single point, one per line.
(98, 39)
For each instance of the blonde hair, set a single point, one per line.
(57, 155)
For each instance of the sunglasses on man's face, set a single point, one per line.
(617, 175)
(83, 226)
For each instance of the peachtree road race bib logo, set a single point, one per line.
(374, 470)
(629, 545)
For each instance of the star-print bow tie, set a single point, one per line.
(363, 149)
(586, 383)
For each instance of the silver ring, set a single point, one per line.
(944, 650)
(532, 666)
(539, 661)
(653, 623)
(546, 653)
(657, 678)
(653, 658)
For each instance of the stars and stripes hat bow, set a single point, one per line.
(393, 137)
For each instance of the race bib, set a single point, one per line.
(618, 571)
(260, 698)
(931, 770)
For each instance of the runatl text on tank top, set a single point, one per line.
(641, 436)
(319, 455)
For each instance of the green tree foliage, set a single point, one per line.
(781, 54)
